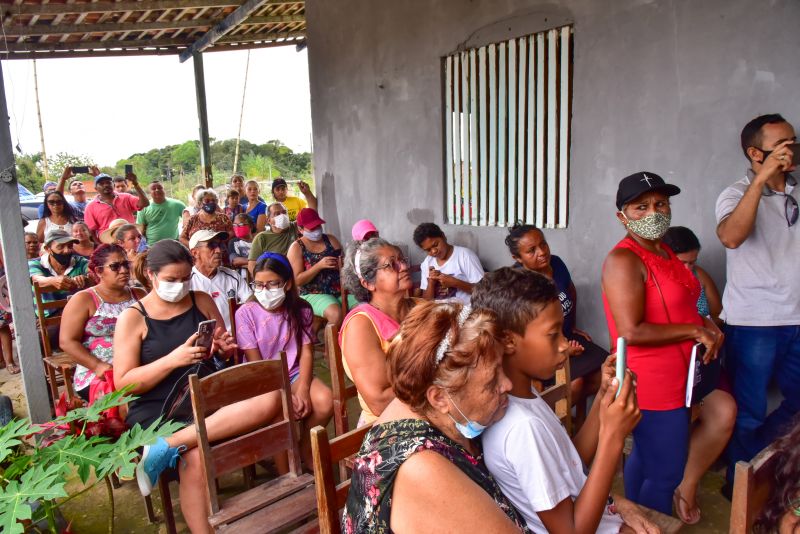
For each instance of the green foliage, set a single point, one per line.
(41, 474)
(28, 173)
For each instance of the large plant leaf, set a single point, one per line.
(9, 434)
(38, 483)
(126, 449)
(81, 452)
(92, 414)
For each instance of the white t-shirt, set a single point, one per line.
(763, 288)
(462, 264)
(535, 463)
(224, 284)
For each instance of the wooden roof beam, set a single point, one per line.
(223, 28)
(147, 5)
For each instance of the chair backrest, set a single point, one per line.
(559, 397)
(341, 391)
(753, 482)
(44, 322)
(235, 384)
(331, 497)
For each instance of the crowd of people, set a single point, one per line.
(445, 366)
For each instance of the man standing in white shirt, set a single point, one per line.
(448, 272)
(209, 276)
(757, 221)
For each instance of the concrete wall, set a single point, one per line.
(659, 85)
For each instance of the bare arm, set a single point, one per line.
(712, 294)
(586, 439)
(367, 363)
(734, 229)
(143, 200)
(311, 200)
(73, 324)
(623, 282)
(301, 275)
(261, 223)
(128, 336)
(433, 495)
(40, 230)
(63, 180)
(583, 515)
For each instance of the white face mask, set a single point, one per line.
(313, 235)
(271, 298)
(171, 291)
(282, 221)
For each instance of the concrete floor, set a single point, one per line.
(89, 513)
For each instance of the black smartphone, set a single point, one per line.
(80, 170)
(795, 148)
(128, 169)
(205, 335)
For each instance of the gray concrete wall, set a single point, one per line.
(659, 85)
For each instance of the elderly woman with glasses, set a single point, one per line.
(376, 273)
(209, 216)
(420, 468)
(90, 317)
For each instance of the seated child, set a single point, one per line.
(276, 319)
(239, 247)
(528, 452)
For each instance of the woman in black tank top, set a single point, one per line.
(153, 348)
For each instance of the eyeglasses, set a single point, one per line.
(213, 245)
(395, 264)
(117, 265)
(54, 202)
(239, 225)
(272, 284)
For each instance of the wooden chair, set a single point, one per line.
(342, 392)
(559, 395)
(332, 497)
(279, 503)
(59, 367)
(752, 484)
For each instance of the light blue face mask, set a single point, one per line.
(472, 429)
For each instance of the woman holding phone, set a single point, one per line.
(650, 299)
(316, 259)
(154, 346)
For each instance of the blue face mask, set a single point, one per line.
(472, 429)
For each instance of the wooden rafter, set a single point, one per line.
(223, 28)
(100, 7)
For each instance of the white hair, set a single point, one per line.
(198, 197)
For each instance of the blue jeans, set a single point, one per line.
(655, 467)
(754, 355)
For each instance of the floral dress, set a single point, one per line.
(385, 448)
(327, 281)
(98, 335)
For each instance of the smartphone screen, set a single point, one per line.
(622, 357)
(205, 335)
(80, 170)
(128, 169)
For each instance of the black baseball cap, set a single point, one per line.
(278, 181)
(642, 182)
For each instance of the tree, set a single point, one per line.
(187, 156)
(28, 173)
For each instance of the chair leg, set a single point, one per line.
(166, 504)
(249, 474)
(148, 507)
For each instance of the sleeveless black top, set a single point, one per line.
(163, 336)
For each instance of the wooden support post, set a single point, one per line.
(17, 277)
(202, 116)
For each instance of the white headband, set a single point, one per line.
(357, 264)
(444, 345)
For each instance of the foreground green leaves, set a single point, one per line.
(40, 474)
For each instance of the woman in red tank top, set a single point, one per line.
(650, 299)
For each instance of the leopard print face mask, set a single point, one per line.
(652, 227)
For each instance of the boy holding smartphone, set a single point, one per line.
(528, 452)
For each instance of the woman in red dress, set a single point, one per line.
(650, 299)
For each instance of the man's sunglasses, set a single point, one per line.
(213, 245)
(117, 265)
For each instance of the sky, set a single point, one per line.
(111, 108)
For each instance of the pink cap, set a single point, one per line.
(362, 228)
